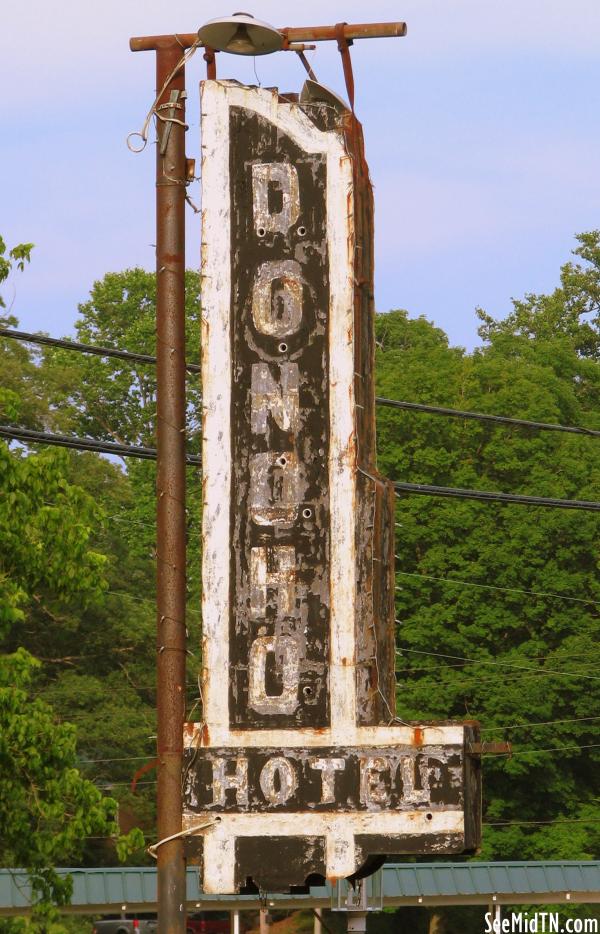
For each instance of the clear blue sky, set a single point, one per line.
(482, 130)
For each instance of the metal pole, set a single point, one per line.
(235, 921)
(170, 487)
(317, 926)
(265, 926)
(293, 34)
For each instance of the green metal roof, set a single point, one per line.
(513, 879)
(107, 890)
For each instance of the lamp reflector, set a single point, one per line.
(241, 34)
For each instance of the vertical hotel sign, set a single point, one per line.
(300, 768)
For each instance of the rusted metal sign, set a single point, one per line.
(300, 769)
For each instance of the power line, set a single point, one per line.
(425, 489)
(472, 681)
(524, 823)
(149, 600)
(117, 759)
(481, 416)
(87, 348)
(483, 661)
(533, 752)
(106, 786)
(146, 453)
(523, 726)
(380, 400)
(27, 435)
(534, 593)
(460, 668)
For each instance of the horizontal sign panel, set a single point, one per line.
(325, 779)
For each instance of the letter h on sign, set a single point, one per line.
(298, 576)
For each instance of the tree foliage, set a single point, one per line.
(51, 574)
(497, 605)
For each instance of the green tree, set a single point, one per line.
(47, 808)
(116, 399)
(498, 605)
(50, 569)
(107, 683)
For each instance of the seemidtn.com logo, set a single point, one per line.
(542, 922)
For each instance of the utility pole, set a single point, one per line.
(170, 482)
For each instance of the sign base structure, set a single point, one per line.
(290, 816)
(300, 770)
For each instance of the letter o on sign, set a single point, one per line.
(278, 780)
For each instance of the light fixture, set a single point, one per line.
(315, 93)
(240, 34)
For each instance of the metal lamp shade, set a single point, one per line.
(315, 93)
(240, 34)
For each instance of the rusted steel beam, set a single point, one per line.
(489, 749)
(351, 31)
(292, 33)
(170, 484)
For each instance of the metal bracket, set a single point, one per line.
(171, 106)
(489, 749)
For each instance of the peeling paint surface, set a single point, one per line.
(298, 526)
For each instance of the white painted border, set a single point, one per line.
(217, 98)
(369, 736)
(339, 830)
(216, 402)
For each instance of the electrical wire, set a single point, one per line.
(425, 489)
(480, 661)
(481, 416)
(534, 593)
(95, 349)
(472, 681)
(379, 400)
(146, 453)
(560, 820)
(116, 759)
(106, 786)
(27, 435)
(523, 726)
(149, 600)
(459, 667)
(534, 752)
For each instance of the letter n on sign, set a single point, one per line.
(300, 754)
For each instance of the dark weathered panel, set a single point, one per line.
(375, 500)
(325, 779)
(472, 790)
(280, 432)
(300, 767)
(273, 864)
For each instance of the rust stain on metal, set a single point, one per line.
(188, 731)
(298, 525)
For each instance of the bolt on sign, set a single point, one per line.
(300, 769)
